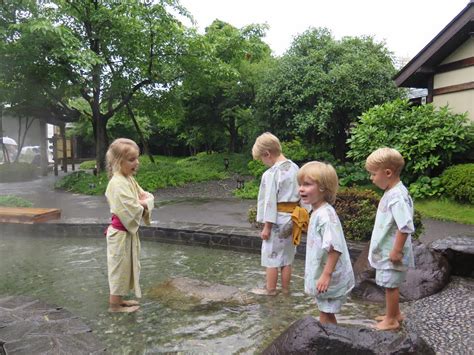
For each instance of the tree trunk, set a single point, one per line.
(140, 134)
(101, 143)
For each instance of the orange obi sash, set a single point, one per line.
(299, 217)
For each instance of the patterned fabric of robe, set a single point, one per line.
(279, 184)
(123, 248)
(395, 212)
(324, 232)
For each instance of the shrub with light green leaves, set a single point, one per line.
(14, 201)
(427, 137)
(458, 180)
(426, 187)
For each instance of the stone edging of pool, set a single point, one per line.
(197, 234)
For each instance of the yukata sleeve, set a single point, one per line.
(126, 206)
(270, 198)
(150, 204)
(402, 214)
(332, 235)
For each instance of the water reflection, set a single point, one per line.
(71, 272)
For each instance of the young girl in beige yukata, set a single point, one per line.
(278, 201)
(129, 204)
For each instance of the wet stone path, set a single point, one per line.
(445, 320)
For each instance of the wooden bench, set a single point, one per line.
(28, 215)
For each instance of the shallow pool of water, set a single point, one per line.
(71, 272)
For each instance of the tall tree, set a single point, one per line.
(219, 86)
(102, 51)
(321, 85)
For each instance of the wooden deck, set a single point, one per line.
(28, 215)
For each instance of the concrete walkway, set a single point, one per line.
(183, 205)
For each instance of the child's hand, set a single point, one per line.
(143, 195)
(266, 231)
(323, 283)
(395, 256)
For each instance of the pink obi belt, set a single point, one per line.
(116, 224)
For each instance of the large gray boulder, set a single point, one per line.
(430, 275)
(459, 250)
(186, 293)
(308, 336)
(30, 326)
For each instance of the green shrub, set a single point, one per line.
(249, 191)
(426, 136)
(356, 210)
(87, 165)
(14, 172)
(14, 201)
(426, 187)
(458, 181)
(351, 174)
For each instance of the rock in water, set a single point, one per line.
(308, 336)
(183, 292)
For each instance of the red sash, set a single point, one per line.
(117, 224)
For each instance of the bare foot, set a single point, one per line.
(264, 292)
(121, 309)
(285, 291)
(400, 318)
(387, 325)
(129, 303)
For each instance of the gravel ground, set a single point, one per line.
(445, 320)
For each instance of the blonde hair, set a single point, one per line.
(266, 142)
(324, 175)
(385, 158)
(118, 151)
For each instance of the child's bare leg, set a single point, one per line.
(390, 322)
(326, 318)
(285, 278)
(272, 278)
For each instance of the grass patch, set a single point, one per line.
(167, 171)
(14, 201)
(446, 210)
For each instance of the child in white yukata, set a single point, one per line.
(328, 270)
(129, 204)
(277, 200)
(390, 251)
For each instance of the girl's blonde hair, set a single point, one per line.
(119, 150)
(324, 175)
(266, 142)
(385, 158)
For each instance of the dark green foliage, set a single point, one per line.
(13, 172)
(83, 182)
(427, 137)
(356, 210)
(14, 201)
(458, 180)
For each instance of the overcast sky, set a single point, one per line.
(405, 25)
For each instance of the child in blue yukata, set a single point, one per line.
(277, 200)
(328, 270)
(390, 251)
